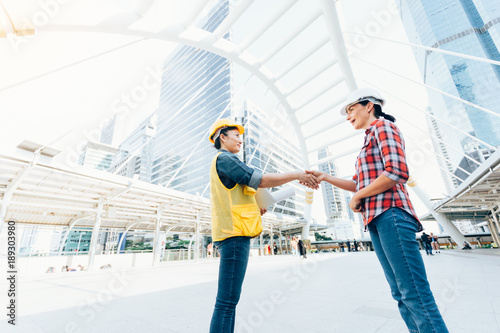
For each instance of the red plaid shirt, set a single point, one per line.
(383, 153)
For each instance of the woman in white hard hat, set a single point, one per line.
(236, 217)
(380, 195)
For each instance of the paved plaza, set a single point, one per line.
(330, 292)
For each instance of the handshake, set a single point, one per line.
(311, 179)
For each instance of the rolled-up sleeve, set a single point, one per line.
(228, 165)
(255, 180)
(391, 145)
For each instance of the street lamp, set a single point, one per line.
(78, 248)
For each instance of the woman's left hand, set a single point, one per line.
(355, 204)
(263, 211)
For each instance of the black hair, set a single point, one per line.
(378, 111)
(224, 131)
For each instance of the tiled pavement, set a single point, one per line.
(334, 292)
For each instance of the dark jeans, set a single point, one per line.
(234, 253)
(428, 248)
(393, 237)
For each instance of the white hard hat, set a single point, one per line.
(359, 95)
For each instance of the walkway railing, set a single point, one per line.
(78, 253)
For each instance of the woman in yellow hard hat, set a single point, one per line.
(380, 195)
(236, 217)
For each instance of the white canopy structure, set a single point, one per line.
(310, 92)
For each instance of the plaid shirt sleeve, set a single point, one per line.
(391, 144)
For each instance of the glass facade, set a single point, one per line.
(468, 27)
(77, 241)
(339, 216)
(333, 197)
(269, 152)
(196, 90)
(108, 131)
(135, 156)
(171, 148)
(98, 156)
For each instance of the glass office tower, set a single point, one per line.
(135, 154)
(268, 151)
(333, 197)
(470, 27)
(339, 217)
(195, 91)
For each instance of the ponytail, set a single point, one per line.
(378, 111)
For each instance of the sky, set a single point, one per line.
(59, 88)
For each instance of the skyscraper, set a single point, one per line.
(171, 148)
(333, 198)
(339, 216)
(135, 154)
(440, 149)
(467, 27)
(108, 131)
(269, 152)
(195, 91)
(97, 155)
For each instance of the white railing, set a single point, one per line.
(181, 254)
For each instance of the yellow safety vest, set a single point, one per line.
(234, 211)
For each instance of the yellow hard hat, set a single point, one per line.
(221, 124)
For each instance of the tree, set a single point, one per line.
(321, 237)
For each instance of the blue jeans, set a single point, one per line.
(234, 253)
(393, 238)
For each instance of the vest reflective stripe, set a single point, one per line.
(234, 211)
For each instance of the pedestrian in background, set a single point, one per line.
(435, 243)
(295, 250)
(302, 249)
(426, 240)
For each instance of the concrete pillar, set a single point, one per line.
(271, 242)
(496, 225)
(281, 246)
(156, 242)
(286, 244)
(191, 245)
(443, 221)
(197, 247)
(262, 243)
(307, 214)
(95, 235)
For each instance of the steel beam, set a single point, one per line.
(442, 219)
